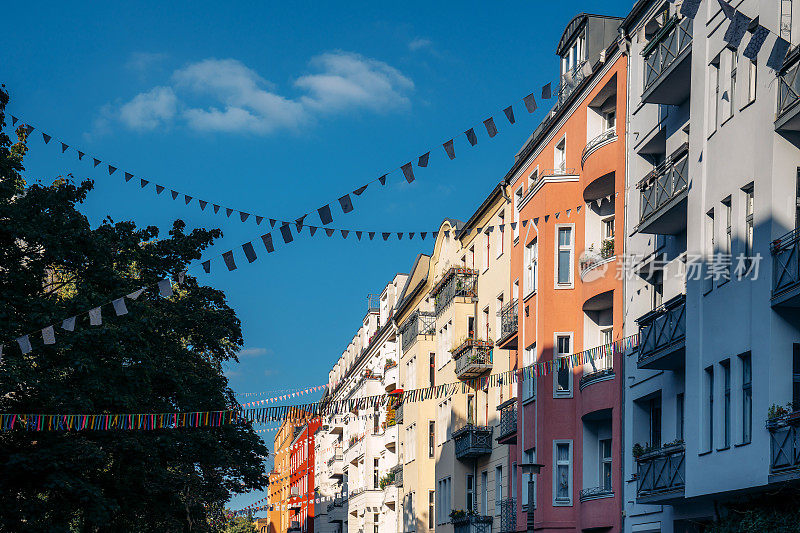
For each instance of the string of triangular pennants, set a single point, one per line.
(273, 391)
(325, 213)
(284, 396)
(303, 412)
(164, 287)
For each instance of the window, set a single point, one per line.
(472, 256)
(531, 267)
(530, 458)
(469, 503)
(654, 411)
(605, 464)
(562, 386)
(796, 377)
(411, 373)
(471, 409)
(610, 120)
(484, 493)
(710, 250)
(533, 179)
(562, 473)
(529, 384)
(726, 206)
(431, 438)
(709, 408)
(517, 202)
(410, 514)
(431, 514)
(748, 222)
(443, 419)
(715, 96)
(443, 489)
(560, 156)
(752, 80)
(657, 284)
(564, 258)
(608, 228)
(498, 321)
(375, 522)
(498, 489)
(488, 247)
(432, 369)
(732, 93)
(501, 233)
(411, 441)
(486, 315)
(747, 397)
(726, 403)
(513, 479)
(679, 415)
(376, 479)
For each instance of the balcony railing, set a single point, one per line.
(337, 456)
(398, 414)
(602, 139)
(665, 50)
(509, 319)
(417, 324)
(458, 282)
(789, 86)
(661, 188)
(662, 334)
(508, 515)
(397, 470)
(472, 441)
(784, 439)
(661, 473)
(473, 524)
(570, 81)
(595, 493)
(473, 357)
(507, 430)
(786, 268)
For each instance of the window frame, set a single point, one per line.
(569, 464)
(558, 355)
(746, 362)
(570, 284)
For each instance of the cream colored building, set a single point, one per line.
(449, 320)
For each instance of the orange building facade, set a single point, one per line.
(568, 180)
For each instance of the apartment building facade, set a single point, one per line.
(567, 185)
(712, 197)
(361, 445)
(301, 500)
(279, 479)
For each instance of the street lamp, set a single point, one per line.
(531, 469)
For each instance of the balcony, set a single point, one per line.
(336, 464)
(595, 493)
(473, 358)
(390, 374)
(397, 470)
(784, 440)
(509, 324)
(418, 324)
(473, 524)
(570, 81)
(661, 475)
(786, 270)
(667, 64)
(398, 414)
(662, 334)
(507, 430)
(592, 258)
(663, 194)
(472, 441)
(607, 137)
(508, 515)
(458, 282)
(788, 116)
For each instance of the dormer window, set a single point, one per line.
(574, 55)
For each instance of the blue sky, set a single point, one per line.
(277, 108)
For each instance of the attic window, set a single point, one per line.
(657, 22)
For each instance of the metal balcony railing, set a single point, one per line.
(784, 440)
(473, 357)
(473, 524)
(663, 184)
(662, 331)
(398, 414)
(337, 456)
(661, 472)
(788, 88)
(665, 48)
(458, 282)
(605, 137)
(509, 319)
(570, 81)
(594, 493)
(418, 324)
(785, 263)
(397, 470)
(508, 515)
(508, 419)
(472, 441)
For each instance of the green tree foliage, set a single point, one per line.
(167, 355)
(240, 524)
(775, 511)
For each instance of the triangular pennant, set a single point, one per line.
(509, 111)
(14, 120)
(382, 179)
(299, 223)
(206, 266)
(96, 161)
(80, 155)
(29, 129)
(399, 236)
(530, 103)
(128, 176)
(187, 199)
(471, 137)
(423, 159)
(345, 233)
(385, 236)
(259, 219)
(174, 194)
(371, 235)
(491, 129)
(159, 189)
(448, 147)
(312, 230)
(411, 235)
(203, 204)
(64, 147)
(46, 138)
(143, 182)
(358, 234)
(111, 169)
(68, 324)
(360, 190)
(423, 234)
(272, 222)
(228, 212)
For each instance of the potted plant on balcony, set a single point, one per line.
(607, 249)
(637, 451)
(774, 415)
(670, 446)
(458, 516)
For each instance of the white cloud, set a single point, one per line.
(225, 95)
(254, 352)
(144, 61)
(147, 110)
(419, 43)
(349, 80)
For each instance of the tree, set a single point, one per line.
(165, 356)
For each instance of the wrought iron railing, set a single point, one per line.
(662, 185)
(509, 318)
(785, 262)
(417, 324)
(789, 87)
(458, 282)
(784, 439)
(665, 48)
(594, 493)
(337, 456)
(473, 524)
(397, 470)
(570, 81)
(508, 418)
(595, 375)
(661, 471)
(663, 328)
(559, 172)
(508, 515)
(398, 414)
(473, 357)
(594, 144)
(472, 441)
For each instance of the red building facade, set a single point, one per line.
(301, 479)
